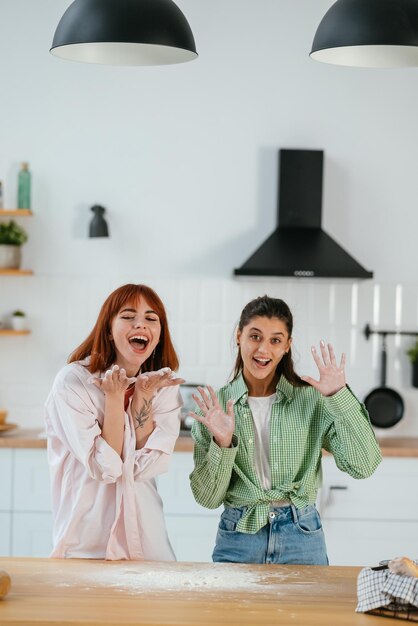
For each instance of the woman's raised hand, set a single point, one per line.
(115, 381)
(220, 424)
(150, 382)
(331, 375)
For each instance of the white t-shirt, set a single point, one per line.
(261, 411)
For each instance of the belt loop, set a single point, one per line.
(294, 513)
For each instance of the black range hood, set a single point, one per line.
(299, 247)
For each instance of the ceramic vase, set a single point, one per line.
(18, 322)
(10, 256)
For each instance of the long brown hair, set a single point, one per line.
(264, 306)
(101, 349)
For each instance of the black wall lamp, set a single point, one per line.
(124, 32)
(368, 33)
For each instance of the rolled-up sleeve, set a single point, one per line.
(212, 473)
(76, 427)
(154, 458)
(350, 437)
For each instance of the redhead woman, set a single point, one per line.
(112, 419)
(259, 441)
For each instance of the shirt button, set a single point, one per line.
(250, 441)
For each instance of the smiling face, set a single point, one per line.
(263, 343)
(135, 331)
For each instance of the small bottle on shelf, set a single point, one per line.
(23, 187)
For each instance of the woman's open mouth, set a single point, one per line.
(260, 362)
(139, 343)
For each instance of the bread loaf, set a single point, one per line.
(404, 566)
(4, 583)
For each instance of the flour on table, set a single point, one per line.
(137, 577)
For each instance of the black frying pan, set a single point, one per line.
(385, 405)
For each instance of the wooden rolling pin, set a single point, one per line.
(4, 583)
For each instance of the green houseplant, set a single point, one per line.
(18, 320)
(413, 357)
(12, 237)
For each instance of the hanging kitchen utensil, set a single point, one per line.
(385, 405)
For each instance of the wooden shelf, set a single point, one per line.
(10, 272)
(15, 212)
(10, 331)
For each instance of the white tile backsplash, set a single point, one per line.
(409, 309)
(203, 315)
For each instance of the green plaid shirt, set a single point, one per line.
(302, 422)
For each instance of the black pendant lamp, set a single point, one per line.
(368, 33)
(124, 32)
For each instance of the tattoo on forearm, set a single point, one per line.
(143, 414)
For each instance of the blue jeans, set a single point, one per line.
(290, 536)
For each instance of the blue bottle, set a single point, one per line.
(23, 187)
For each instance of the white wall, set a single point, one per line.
(184, 158)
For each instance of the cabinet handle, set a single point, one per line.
(338, 487)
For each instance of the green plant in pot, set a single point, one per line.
(18, 320)
(413, 357)
(12, 237)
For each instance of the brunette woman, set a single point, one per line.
(112, 419)
(259, 441)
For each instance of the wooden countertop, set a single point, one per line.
(29, 438)
(72, 592)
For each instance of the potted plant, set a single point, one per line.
(413, 357)
(18, 320)
(12, 237)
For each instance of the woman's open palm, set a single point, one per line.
(331, 375)
(220, 424)
(150, 382)
(114, 381)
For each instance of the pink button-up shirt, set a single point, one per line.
(106, 506)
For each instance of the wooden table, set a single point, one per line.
(49, 592)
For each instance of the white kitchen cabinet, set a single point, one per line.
(5, 533)
(368, 520)
(31, 517)
(174, 488)
(192, 536)
(31, 481)
(357, 542)
(6, 479)
(5, 500)
(191, 528)
(25, 517)
(31, 534)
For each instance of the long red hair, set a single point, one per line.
(100, 348)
